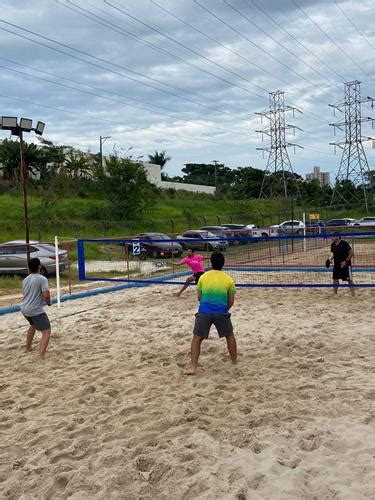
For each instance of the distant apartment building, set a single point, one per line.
(323, 177)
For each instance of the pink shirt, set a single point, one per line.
(195, 263)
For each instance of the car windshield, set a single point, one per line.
(159, 237)
(210, 235)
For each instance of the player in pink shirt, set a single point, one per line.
(195, 263)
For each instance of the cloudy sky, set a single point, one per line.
(186, 76)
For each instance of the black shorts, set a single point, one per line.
(342, 273)
(41, 322)
(197, 276)
(203, 323)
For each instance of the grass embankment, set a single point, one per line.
(77, 217)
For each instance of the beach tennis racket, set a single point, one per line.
(328, 263)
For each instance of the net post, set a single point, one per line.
(127, 259)
(81, 260)
(304, 231)
(57, 271)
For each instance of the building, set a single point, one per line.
(153, 173)
(323, 177)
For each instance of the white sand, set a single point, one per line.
(110, 413)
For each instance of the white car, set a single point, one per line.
(367, 221)
(262, 232)
(290, 227)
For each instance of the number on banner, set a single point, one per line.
(136, 248)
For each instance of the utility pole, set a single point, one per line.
(215, 162)
(102, 140)
(278, 159)
(353, 165)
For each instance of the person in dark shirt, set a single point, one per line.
(341, 255)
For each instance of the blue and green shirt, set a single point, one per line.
(215, 287)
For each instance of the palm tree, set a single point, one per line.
(10, 159)
(159, 158)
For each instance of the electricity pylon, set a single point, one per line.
(278, 158)
(353, 166)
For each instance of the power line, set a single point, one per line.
(329, 37)
(354, 26)
(234, 52)
(166, 52)
(100, 119)
(277, 42)
(252, 43)
(102, 67)
(189, 49)
(272, 19)
(69, 87)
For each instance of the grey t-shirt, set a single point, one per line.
(32, 287)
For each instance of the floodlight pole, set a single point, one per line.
(24, 194)
(17, 128)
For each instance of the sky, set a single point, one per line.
(187, 76)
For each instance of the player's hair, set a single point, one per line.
(191, 249)
(34, 263)
(217, 261)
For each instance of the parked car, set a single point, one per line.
(196, 239)
(367, 221)
(290, 227)
(342, 222)
(262, 232)
(222, 232)
(157, 249)
(240, 230)
(315, 226)
(13, 257)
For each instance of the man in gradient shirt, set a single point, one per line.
(216, 292)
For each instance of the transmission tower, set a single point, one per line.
(278, 158)
(353, 166)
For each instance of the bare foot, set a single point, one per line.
(41, 357)
(193, 371)
(28, 349)
(176, 294)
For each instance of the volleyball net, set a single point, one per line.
(281, 261)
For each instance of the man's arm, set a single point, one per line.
(345, 262)
(199, 295)
(230, 299)
(47, 297)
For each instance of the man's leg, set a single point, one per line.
(351, 288)
(188, 280)
(232, 347)
(195, 351)
(29, 338)
(44, 343)
(335, 286)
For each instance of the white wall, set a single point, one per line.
(154, 176)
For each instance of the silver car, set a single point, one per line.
(13, 257)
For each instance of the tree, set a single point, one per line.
(10, 159)
(77, 165)
(124, 185)
(159, 158)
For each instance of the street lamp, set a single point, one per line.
(25, 125)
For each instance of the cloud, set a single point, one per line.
(182, 78)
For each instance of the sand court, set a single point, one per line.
(111, 414)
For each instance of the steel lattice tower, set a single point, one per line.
(353, 166)
(278, 159)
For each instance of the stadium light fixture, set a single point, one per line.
(25, 125)
(39, 129)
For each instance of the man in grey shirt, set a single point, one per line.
(35, 296)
